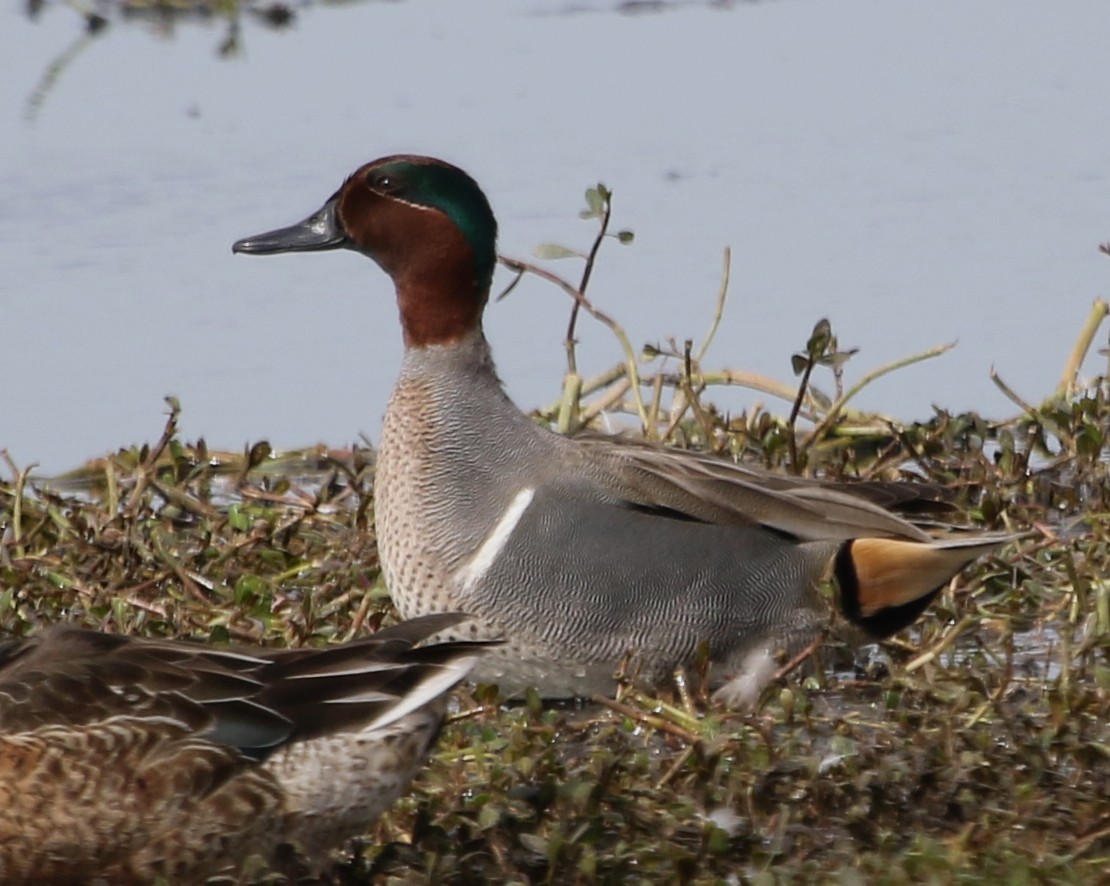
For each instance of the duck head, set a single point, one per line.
(426, 223)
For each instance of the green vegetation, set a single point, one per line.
(974, 748)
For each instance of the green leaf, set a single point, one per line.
(717, 841)
(625, 237)
(259, 452)
(595, 200)
(553, 251)
(837, 358)
(534, 844)
(489, 816)
(58, 579)
(820, 338)
(799, 362)
(249, 587)
(236, 519)
(820, 398)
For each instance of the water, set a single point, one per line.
(917, 172)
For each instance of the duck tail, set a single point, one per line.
(886, 583)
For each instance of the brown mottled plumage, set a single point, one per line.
(125, 760)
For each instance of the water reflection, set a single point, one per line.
(163, 17)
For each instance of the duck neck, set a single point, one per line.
(457, 379)
(429, 319)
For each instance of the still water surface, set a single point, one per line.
(917, 172)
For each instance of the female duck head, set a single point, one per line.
(426, 223)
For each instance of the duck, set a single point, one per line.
(130, 760)
(589, 554)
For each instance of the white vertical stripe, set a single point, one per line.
(478, 565)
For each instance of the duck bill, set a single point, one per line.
(316, 233)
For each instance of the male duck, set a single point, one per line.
(585, 553)
(126, 760)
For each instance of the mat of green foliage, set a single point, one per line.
(973, 748)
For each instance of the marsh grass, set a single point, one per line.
(974, 747)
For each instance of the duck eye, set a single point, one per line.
(385, 182)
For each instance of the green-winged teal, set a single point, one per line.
(126, 760)
(584, 552)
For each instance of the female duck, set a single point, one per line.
(126, 760)
(585, 553)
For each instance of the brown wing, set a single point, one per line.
(714, 490)
(253, 700)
